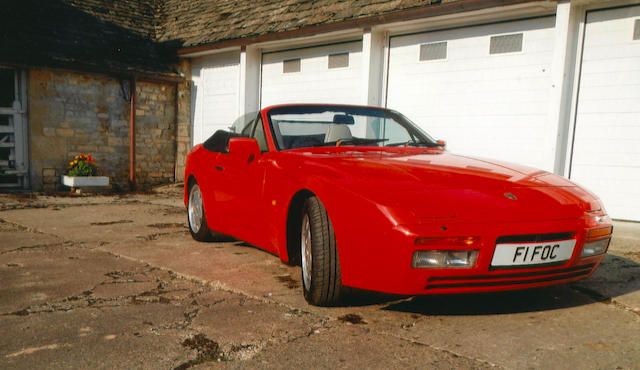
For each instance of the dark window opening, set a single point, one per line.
(339, 60)
(7, 87)
(506, 44)
(433, 51)
(291, 66)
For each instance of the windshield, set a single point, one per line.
(318, 125)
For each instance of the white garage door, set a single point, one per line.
(483, 89)
(606, 151)
(326, 74)
(214, 98)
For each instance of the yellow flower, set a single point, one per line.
(70, 163)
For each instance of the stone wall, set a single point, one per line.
(72, 113)
(183, 139)
(155, 133)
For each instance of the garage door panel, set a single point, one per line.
(616, 64)
(215, 89)
(606, 152)
(315, 82)
(604, 131)
(510, 75)
(621, 81)
(614, 91)
(610, 104)
(482, 104)
(606, 120)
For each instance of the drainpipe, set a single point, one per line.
(132, 135)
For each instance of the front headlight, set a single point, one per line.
(595, 247)
(444, 253)
(597, 241)
(444, 259)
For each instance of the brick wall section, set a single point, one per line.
(72, 113)
(183, 139)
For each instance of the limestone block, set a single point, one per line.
(65, 132)
(48, 172)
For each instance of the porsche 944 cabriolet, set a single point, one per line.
(361, 197)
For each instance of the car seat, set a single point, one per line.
(337, 132)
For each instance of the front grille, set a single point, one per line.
(519, 278)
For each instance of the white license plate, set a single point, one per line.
(537, 253)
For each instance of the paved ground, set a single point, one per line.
(117, 282)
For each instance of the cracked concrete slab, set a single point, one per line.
(97, 223)
(250, 324)
(530, 329)
(353, 347)
(116, 281)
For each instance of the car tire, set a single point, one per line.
(196, 216)
(321, 276)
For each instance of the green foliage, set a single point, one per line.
(82, 165)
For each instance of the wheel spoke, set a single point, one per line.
(195, 209)
(305, 246)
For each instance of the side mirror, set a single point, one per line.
(441, 143)
(244, 147)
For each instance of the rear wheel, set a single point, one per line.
(196, 216)
(321, 277)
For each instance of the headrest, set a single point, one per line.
(343, 119)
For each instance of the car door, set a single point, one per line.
(239, 189)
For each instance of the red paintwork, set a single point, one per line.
(380, 199)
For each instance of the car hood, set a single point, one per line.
(438, 184)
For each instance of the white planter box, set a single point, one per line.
(85, 181)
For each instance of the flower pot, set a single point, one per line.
(85, 181)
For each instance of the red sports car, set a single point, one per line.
(361, 197)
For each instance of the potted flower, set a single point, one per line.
(81, 172)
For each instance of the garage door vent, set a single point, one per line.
(506, 44)
(636, 30)
(339, 60)
(433, 51)
(291, 66)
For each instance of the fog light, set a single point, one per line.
(596, 247)
(444, 259)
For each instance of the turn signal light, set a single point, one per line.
(599, 232)
(459, 241)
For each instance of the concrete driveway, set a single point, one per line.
(115, 281)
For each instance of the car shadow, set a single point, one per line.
(615, 277)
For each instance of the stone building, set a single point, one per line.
(551, 84)
(66, 73)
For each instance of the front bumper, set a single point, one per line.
(383, 263)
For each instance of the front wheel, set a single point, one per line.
(196, 216)
(321, 276)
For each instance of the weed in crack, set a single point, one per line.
(208, 350)
(119, 274)
(352, 318)
(111, 222)
(174, 225)
(288, 281)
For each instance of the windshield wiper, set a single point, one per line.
(414, 144)
(353, 141)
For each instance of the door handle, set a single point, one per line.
(219, 168)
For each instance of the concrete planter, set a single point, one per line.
(85, 181)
